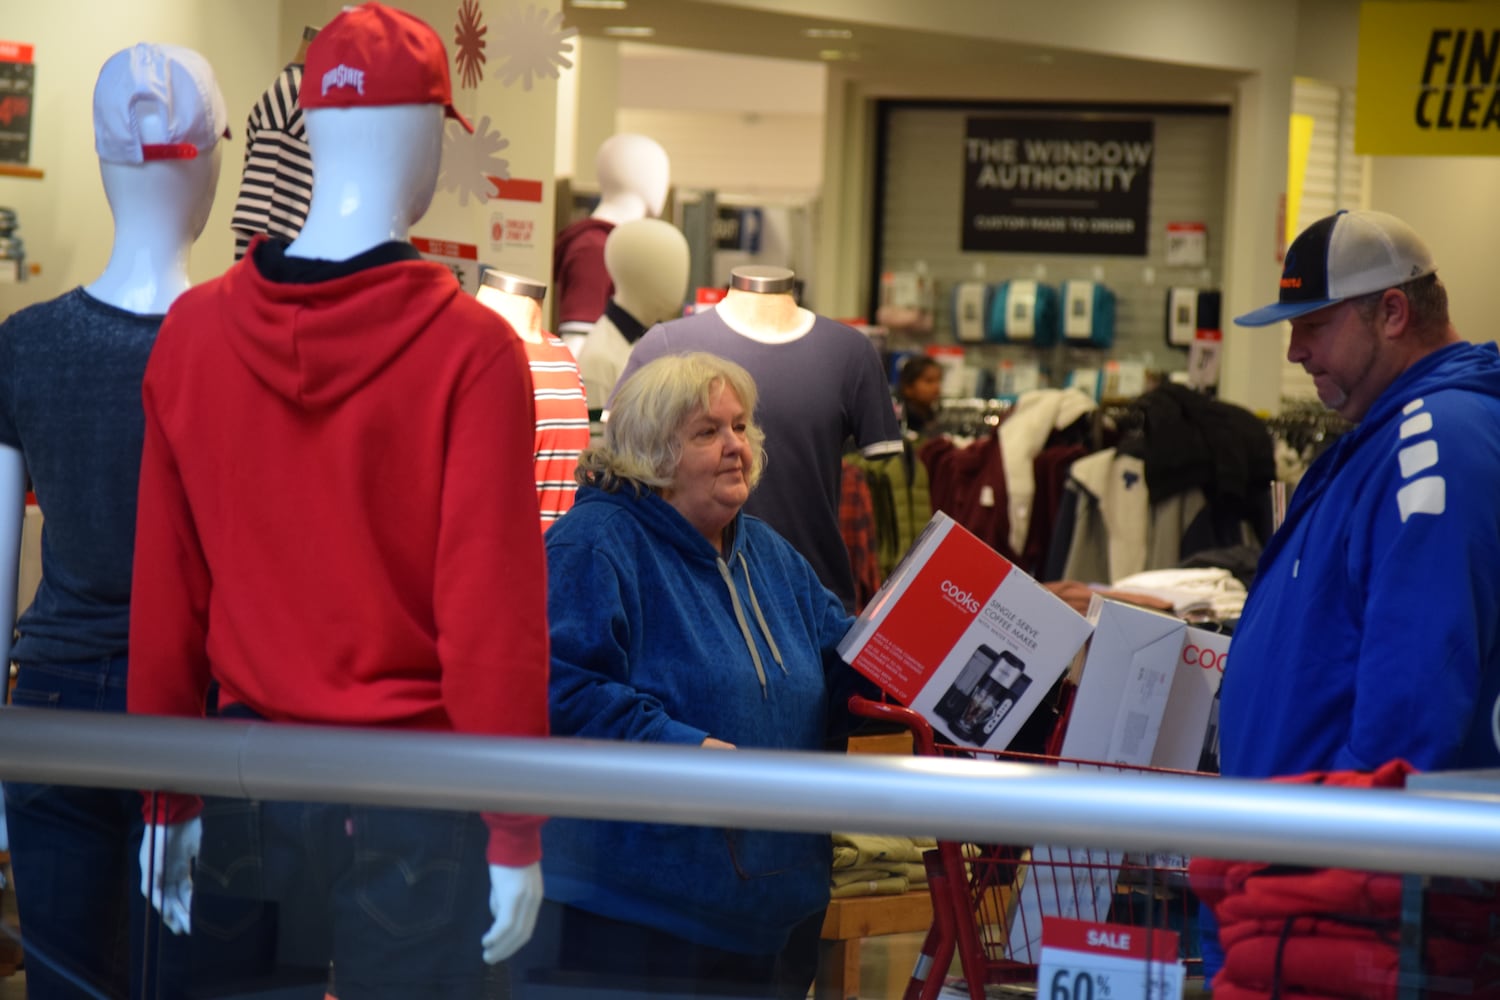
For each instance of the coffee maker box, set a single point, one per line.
(964, 638)
(1185, 727)
(1123, 691)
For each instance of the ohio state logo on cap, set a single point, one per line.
(344, 76)
(374, 56)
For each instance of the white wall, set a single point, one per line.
(736, 152)
(64, 218)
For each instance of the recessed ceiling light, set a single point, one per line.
(831, 55)
(598, 4)
(629, 31)
(827, 33)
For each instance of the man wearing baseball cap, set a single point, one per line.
(338, 527)
(1372, 630)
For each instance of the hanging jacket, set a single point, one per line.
(658, 638)
(902, 497)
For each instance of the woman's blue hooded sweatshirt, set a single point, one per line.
(657, 638)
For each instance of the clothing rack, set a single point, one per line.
(970, 417)
(1307, 426)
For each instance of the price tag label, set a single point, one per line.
(1090, 961)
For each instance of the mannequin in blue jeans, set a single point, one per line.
(70, 417)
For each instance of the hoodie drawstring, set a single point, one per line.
(760, 619)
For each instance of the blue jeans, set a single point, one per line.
(75, 853)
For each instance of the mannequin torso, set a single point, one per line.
(560, 409)
(375, 173)
(820, 383)
(71, 421)
(523, 313)
(770, 319)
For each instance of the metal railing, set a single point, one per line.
(1418, 832)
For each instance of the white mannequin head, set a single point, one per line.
(375, 91)
(374, 174)
(648, 262)
(634, 175)
(158, 119)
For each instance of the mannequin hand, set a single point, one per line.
(515, 898)
(167, 855)
(713, 744)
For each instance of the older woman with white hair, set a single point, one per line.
(676, 618)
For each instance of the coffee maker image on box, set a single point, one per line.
(983, 693)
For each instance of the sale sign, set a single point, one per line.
(1092, 961)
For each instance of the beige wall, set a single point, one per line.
(65, 221)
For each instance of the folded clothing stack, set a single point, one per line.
(870, 865)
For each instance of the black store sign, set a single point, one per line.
(1057, 186)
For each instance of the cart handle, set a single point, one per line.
(923, 742)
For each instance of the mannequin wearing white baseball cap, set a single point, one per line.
(634, 174)
(393, 410)
(74, 421)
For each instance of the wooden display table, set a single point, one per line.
(853, 918)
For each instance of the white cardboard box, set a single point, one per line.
(1184, 727)
(961, 636)
(1116, 718)
(1127, 677)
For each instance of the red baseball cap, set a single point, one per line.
(373, 56)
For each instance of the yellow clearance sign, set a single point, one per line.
(1429, 80)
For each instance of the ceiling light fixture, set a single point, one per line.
(598, 4)
(842, 33)
(629, 31)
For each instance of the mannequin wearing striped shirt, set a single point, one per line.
(562, 416)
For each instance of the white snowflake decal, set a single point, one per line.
(469, 161)
(531, 43)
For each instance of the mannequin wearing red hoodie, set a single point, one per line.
(337, 525)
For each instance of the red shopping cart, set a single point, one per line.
(988, 899)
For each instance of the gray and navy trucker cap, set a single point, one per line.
(1342, 256)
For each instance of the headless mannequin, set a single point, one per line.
(375, 178)
(648, 263)
(558, 401)
(518, 301)
(634, 174)
(760, 305)
(159, 210)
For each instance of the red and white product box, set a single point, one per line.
(1184, 727)
(964, 638)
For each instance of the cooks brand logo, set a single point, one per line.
(962, 598)
(1205, 657)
